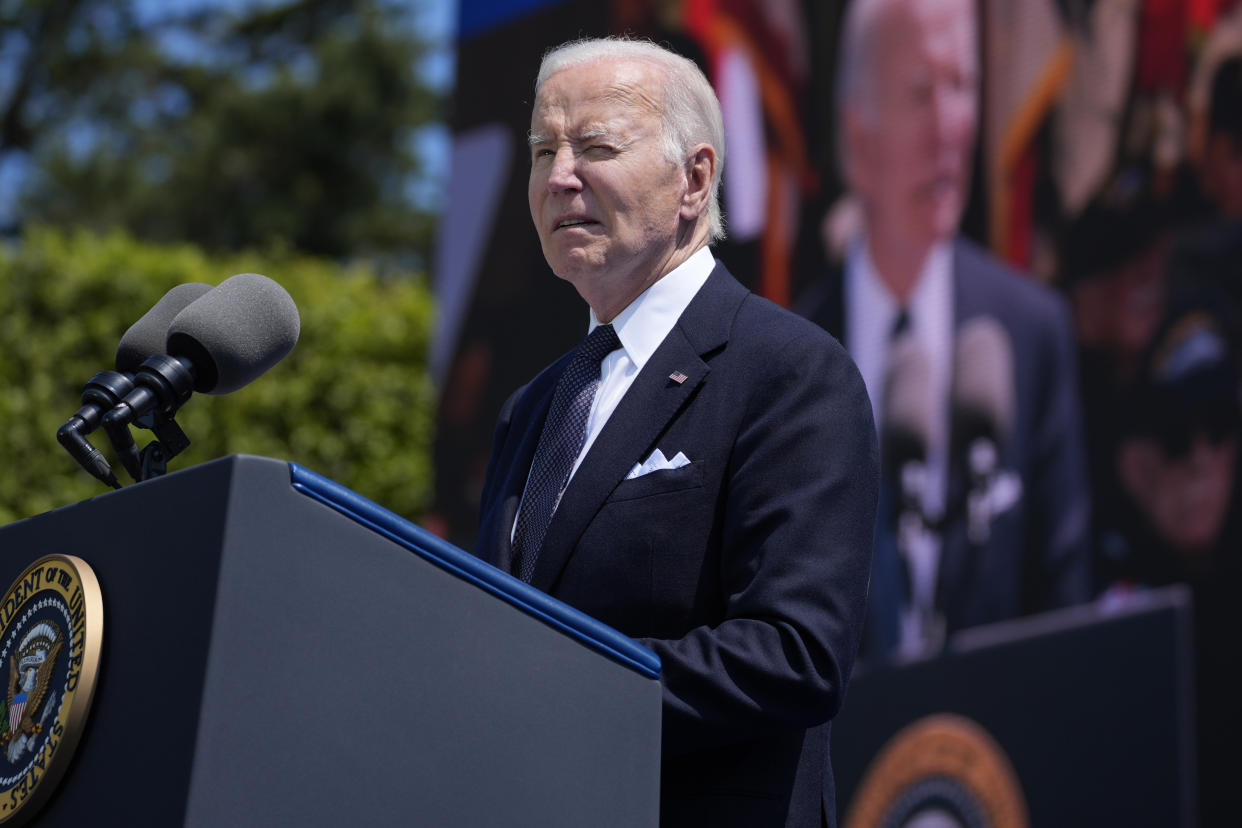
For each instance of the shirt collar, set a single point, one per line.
(876, 303)
(646, 321)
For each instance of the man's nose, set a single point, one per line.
(564, 173)
(954, 116)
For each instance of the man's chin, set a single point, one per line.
(945, 216)
(574, 266)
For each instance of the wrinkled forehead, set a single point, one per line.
(602, 86)
(940, 32)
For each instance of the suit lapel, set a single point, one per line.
(834, 319)
(824, 302)
(642, 415)
(529, 415)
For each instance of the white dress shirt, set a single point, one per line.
(641, 327)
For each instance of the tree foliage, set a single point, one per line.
(290, 123)
(353, 401)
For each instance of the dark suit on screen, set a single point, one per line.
(1037, 556)
(746, 571)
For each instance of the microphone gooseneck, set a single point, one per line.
(101, 393)
(162, 385)
(107, 388)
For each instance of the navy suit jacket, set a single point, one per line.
(1038, 555)
(746, 571)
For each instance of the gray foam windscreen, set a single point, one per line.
(149, 335)
(908, 400)
(235, 332)
(984, 395)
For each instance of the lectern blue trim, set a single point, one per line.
(582, 627)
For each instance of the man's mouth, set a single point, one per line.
(572, 222)
(943, 183)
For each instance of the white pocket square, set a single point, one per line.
(656, 462)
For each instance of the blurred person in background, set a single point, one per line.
(1114, 259)
(1113, 265)
(907, 115)
(1220, 168)
(1180, 522)
(1209, 258)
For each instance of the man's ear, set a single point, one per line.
(700, 172)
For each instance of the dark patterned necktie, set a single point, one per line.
(901, 324)
(564, 433)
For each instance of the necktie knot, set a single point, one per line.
(599, 343)
(901, 323)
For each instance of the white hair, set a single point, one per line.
(857, 56)
(690, 113)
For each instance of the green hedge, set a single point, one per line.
(353, 401)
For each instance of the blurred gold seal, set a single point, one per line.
(51, 629)
(940, 770)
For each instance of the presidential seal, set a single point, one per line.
(942, 770)
(51, 627)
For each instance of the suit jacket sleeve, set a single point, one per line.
(1060, 500)
(797, 510)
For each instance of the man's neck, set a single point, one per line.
(606, 307)
(898, 263)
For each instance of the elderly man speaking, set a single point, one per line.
(701, 471)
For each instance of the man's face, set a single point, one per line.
(1222, 174)
(604, 197)
(911, 141)
(1119, 310)
(1185, 494)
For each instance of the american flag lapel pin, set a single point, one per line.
(678, 377)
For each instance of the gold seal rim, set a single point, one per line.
(941, 744)
(83, 694)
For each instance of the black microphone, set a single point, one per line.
(104, 390)
(217, 344)
(984, 398)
